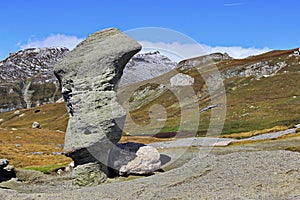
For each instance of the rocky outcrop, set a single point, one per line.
(88, 76)
(201, 60)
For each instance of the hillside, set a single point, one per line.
(261, 92)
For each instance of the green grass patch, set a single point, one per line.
(46, 169)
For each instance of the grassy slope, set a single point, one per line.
(17, 130)
(251, 104)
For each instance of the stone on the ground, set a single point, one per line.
(3, 163)
(89, 76)
(7, 172)
(17, 112)
(297, 126)
(88, 174)
(36, 125)
(147, 161)
(133, 158)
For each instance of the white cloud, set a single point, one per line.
(57, 40)
(234, 4)
(177, 51)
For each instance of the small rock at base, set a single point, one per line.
(88, 174)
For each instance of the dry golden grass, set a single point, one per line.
(141, 139)
(254, 133)
(32, 140)
(17, 130)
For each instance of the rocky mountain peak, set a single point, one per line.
(30, 62)
(145, 66)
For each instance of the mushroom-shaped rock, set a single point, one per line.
(89, 76)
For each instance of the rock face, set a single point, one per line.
(88, 76)
(133, 158)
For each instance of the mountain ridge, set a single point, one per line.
(27, 79)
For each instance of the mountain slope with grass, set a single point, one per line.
(261, 92)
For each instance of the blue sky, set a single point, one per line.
(250, 24)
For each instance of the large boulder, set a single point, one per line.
(89, 76)
(146, 162)
(133, 158)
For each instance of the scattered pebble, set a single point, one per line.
(17, 112)
(57, 153)
(38, 153)
(36, 125)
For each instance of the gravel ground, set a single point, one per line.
(242, 175)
